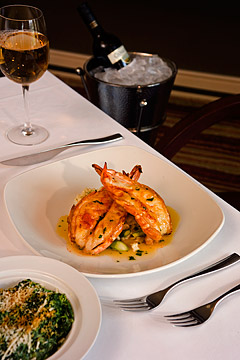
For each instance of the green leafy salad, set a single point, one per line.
(34, 321)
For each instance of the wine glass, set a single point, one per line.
(24, 55)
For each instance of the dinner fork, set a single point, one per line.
(200, 314)
(151, 301)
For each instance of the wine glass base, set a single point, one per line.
(18, 136)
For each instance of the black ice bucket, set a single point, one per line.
(141, 109)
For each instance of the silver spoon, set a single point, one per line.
(44, 155)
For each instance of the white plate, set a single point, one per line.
(54, 275)
(37, 198)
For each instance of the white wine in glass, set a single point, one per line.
(24, 56)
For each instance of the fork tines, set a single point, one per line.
(184, 319)
(137, 304)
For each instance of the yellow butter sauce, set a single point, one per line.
(62, 231)
(62, 227)
(145, 250)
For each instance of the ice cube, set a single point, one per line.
(143, 70)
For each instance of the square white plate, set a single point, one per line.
(37, 199)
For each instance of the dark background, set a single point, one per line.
(200, 38)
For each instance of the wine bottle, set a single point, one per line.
(107, 48)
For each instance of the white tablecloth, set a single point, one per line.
(124, 335)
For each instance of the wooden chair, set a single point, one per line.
(173, 139)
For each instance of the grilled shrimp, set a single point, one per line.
(141, 201)
(96, 221)
(84, 216)
(108, 228)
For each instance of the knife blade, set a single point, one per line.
(45, 155)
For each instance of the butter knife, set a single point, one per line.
(44, 155)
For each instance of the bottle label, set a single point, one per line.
(119, 54)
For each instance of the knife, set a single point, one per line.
(43, 155)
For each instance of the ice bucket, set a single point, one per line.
(141, 109)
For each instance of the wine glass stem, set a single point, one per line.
(27, 127)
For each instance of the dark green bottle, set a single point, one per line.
(107, 48)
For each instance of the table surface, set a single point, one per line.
(126, 335)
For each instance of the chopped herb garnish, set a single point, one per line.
(100, 218)
(150, 199)
(97, 201)
(139, 252)
(104, 230)
(137, 189)
(100, 236)
(132, 258)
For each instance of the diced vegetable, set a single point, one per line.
(119, 246)
(125, 233)
(138, 233)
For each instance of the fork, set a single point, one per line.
(151, 301)
(200, 314)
